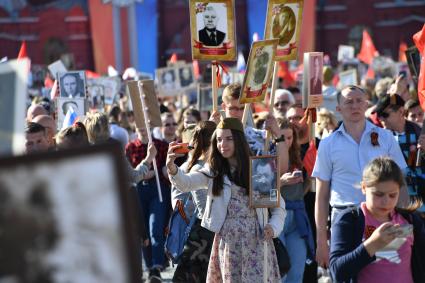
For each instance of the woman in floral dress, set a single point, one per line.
(238, 250)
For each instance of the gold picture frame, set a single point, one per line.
(264, 181)
(284, 19)
(259, 71)
(218, 40)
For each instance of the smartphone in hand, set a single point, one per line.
(184, 148)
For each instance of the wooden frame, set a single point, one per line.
(81, 220)
(312, 79)
(264, 186)
(203, 46)
(414, 61)
(259, 71)
(76, 88)
(284, 18)
(13, 99)
(168, 81)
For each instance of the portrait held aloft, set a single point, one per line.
(259, 71)
(168, 81)
(72, 84)
(186, 75)
(213, 30)
(264, 181)
(284, 18)
(64, 104)
(312, 79)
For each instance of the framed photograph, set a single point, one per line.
(264, 181)
(204, 98)
(345, 53)
(348, 77)
(151, 103)
(284, 18)
(259, 71)
(75, 225)
(414, 61)
(312, 79)
(72, 84)
(186, 76)
(13, 102)
(168, 81)
(64, 104)
(102, 91)
(213, 33)
(57, 67)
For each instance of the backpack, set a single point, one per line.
(179, 228)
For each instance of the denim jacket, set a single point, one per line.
(216, 206)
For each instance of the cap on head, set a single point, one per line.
(231, 124)
(388, 100)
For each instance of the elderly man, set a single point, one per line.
(283, 100)
(341, 159)
(35, 138)
(210, 35)
(49, 124)
(70, 85)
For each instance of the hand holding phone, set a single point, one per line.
(183, 148)
(405, 230)
(297, 173)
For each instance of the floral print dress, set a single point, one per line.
(238, 250)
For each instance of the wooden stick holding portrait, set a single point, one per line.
(275, 81)
(146, 113)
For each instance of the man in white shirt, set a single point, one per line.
(341, 159)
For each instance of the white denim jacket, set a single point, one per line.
(216, 206)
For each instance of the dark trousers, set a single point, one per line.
(194, 261)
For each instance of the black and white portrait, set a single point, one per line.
(212, 24)
(66, 104)
(316, 70)
(264, 179)
(186, 76)
(63, 222)
(72, 84)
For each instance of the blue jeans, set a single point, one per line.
(297, 249)
(155, 214)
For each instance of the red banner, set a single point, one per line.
(212, 51)
(286, 51)
(255, 93)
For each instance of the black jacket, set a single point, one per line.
(206, 39)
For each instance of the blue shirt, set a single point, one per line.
(341, 160)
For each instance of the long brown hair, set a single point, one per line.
(295, 149)
(201, 141)
(220, 166)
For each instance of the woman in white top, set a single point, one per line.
(238, 251)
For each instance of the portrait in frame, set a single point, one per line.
(264, 181)
(204, 97)
(76, 225)
(186, 76)
(284, 18)
(13, 102)
(63, 104)
(213, 32)
(168, 81)
(348, 77)
(72, 84)
(259, 71)
(312, 79)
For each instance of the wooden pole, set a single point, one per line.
(148, 130)
(275, 81)
(245, 113)
(214, 86)
(265, 262)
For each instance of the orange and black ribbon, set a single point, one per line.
(223, 67)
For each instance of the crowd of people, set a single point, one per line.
(346, 212)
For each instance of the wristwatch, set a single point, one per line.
(280, 139)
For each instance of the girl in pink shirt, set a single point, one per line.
(361, 237)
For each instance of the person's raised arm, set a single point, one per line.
(321, 213)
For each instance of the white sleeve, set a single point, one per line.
(187, 182)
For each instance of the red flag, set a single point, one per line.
(368, 50)
(370, 73)
(173, 58)
(310, 158)
(402, 52)
(54, 90)
(196, 71)
(419, 40)
(23, 51)
(91, 74)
